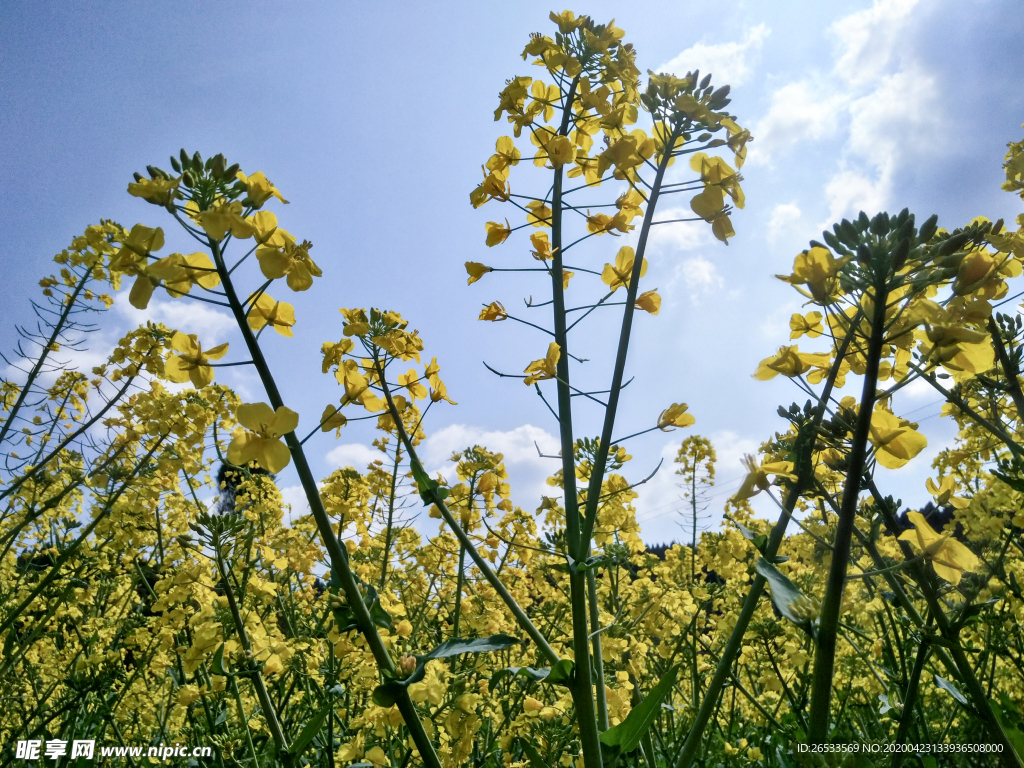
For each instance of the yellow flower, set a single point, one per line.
(541, 246)
(333, 352)
(159, 191)
(649, 301)
(273, 665)
(266, 311)
(538, 214)
(505, 155)
(675, 416)
(377, 756)
(259, 188)
(225, 217)
(356, 323)
(131, 258)
(949, 557)
(789, 361)
(179, 273)
(497, 232)
(531, 704)
(192, 363)
(332, 418)
(618, 275)
(544, 368)
(809, 324)
(494, 312)
(818, 270)
(410, 380)
(476, 270)
(961, 350)
(896, 440)
(289, 259)
(943, 492)
(260, 441)
(757, 476)
(266, 231)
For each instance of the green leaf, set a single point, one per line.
(530, 673)
(460, 646)
(784, 592)
(386, 694)
(536, 760)
(625, 737)
(424, 484)
(561, 673)
(947, 686)
(310, 730)
(1016, 483)
(218, 661)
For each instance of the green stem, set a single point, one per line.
(47, 348)
(828, 625)
(336, 553)
(595, 635)
(492, 578)
(910, 700)
(805, 475)
(269, 713)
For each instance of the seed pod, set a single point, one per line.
(927, 231)
(217, 164)
(880, 224)
(833, 241)
(899, 256)
(719, 97)
(952, 244)
(848, 233)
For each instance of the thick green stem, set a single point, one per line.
(619, 372)
(336, 553)
(831, 607)
(595, 635)
(805, 475)
(910, 700)
(269, 713)
(582, 692)
(492, 578)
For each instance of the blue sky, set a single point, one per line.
(373, 119)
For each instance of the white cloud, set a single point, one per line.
(698, 275)
(783, 217)
(799, 112)
(850, 191)
(728, 62)
(355, 455)
(869, 39)
(211, 325)
(660, 506)
(680, 235)
(877, 96)
(526, 469)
